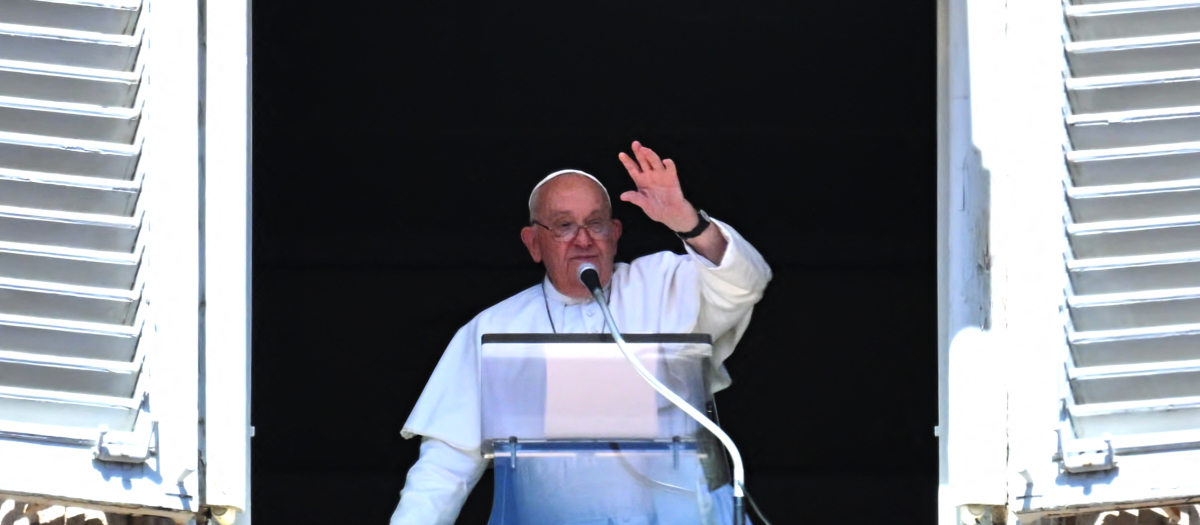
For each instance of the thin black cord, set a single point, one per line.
(546, 301)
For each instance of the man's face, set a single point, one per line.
(572, 199)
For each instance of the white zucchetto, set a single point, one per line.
(533, 193)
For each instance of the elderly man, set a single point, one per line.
(712, 289)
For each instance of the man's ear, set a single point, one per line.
(616, 233)
(529, 237)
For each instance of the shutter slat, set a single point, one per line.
(1150, 163)
(81, 376)
(1135, 201)
(1134, 128)
(65, 47)
(1135, 237)
(68, 84)
(45, 407)
(1131, 274)
(61, 301)
(63, 338)
(33, 262)
(1126, 418)
(1137, 345)
(1138, 382)
(112, 17)
(47, 191)
(1133, 19)
(1134, 55)
(69, 230)
(1135, 309)
(1167, 89)
(72, 121)
(1093, 2)
(67, 156)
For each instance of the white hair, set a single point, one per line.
(533, 194)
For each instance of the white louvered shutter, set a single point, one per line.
(1134, 125)
(1131, 381)
(81, 419)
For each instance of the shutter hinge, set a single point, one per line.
(125, 447)
(1085, 455)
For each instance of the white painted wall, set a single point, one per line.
(945, 515)
(971, 397)
(1002, 143)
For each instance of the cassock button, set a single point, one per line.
(591, 312)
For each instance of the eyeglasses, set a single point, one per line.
(564, 231)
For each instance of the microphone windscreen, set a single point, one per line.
(589, 276)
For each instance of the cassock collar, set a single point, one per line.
(553, 294)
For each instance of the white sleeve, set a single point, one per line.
(738, 282)
(438, 484)
(728, 293)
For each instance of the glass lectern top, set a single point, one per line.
(578, 437)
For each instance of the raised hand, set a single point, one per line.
(658, 192)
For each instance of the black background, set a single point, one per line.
(395, 145)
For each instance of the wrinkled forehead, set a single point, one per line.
(534, 195)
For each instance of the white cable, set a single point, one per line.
(739, 474)
(754, 505)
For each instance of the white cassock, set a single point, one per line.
(659, 293)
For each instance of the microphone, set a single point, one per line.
(590, 278)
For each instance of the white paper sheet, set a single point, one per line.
(592, 391)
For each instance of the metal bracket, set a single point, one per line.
(675, 442)
(512, 452)
(1085, 455)
(125, 447)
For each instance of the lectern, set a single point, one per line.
(577, 437)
